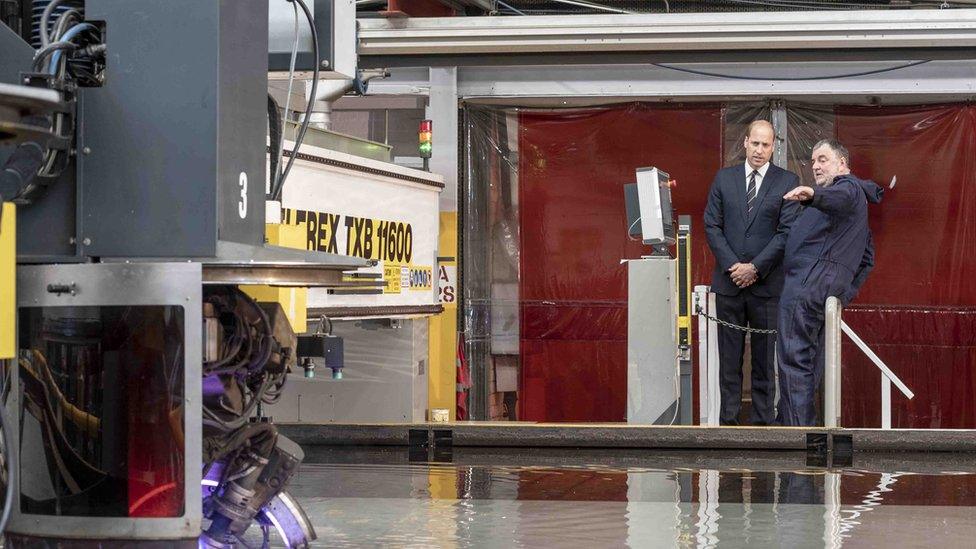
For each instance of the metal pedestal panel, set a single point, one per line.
(652, 350)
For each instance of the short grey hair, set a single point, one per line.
(835, 146)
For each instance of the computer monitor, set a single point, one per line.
(648, 203)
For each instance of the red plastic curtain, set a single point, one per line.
(573, 287)
(917, 310)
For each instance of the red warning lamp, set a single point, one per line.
(426, 138)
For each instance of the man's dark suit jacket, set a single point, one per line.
(759, 238)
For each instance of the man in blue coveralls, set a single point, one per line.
(829, 252)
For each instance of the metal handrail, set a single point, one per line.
(708, 383)
(834, 326)
(832, 393)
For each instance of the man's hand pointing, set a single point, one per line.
(799, 194)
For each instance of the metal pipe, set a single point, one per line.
(328, 91)
(781, 127)
(885, 402)
(597, 7)
(913, 31)
(885, 371)
(504, 5)
(701, 304)
(832, 322)
(715, 395)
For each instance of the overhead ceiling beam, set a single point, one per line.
(910, 30)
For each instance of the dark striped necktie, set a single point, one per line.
(751, 191)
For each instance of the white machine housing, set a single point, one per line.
(654, 199)
(374, 210)
(388, 214)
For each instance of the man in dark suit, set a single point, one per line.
(747, 222)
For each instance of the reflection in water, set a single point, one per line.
(483, 502)
(873, 499)
(708, 515)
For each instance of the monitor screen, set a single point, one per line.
(633, 211)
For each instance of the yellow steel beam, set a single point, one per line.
(294, 301)
(442, 381)
(8, 281)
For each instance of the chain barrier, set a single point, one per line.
(719, 321)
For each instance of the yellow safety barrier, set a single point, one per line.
(442, 382)
(8, 281)
(294, 301)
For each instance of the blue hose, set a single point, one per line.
(68, 35)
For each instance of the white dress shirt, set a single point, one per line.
(759, 177)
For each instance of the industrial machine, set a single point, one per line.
(133, 142)
(658, 306)
(366, 358)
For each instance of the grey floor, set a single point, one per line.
(595, 499)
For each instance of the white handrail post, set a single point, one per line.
(832, 337)
(714, 393)
(885, 402)
(701, 300)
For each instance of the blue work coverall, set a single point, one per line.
(829, 252)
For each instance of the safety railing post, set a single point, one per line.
(832, 337)
(701, 303)
(885, 402)
(715, 395)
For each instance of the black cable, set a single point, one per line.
(275, 130)
(254, 360)
(21, 167)
(268, 335)
(235, 344)
(273, 394)
(791, 78)
(246, 411)
(276, 193)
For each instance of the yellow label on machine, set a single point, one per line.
(684, 288)
(8, 281)
(292, 300)
(393, 276)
